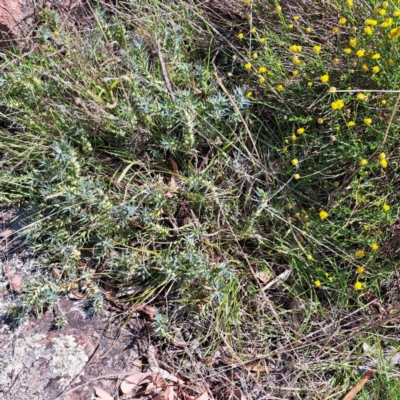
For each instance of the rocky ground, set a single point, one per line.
(38, 361)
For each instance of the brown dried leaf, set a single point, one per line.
(132, 381)
(7, 233)
(102, 394)
(16, 283)
(170, 393)
(260, 368)
(169, 377)
(148, 310)
(263, 276)
(237, 395)
(77, 296)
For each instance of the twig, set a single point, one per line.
(354, 390)
(164, 71)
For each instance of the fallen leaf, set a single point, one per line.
(148, 310)
(237, 395)
(169, 393)
(169, 377)
(132, 381)
(263, 276)
(260, 368)
(74, 295)
(204, 396)
(16, 283)
(7, 233)
(102, 394)
(282, 277)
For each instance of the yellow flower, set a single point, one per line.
(396, 13)
(374, 246)
(290, 26)
(383, 102)
(263, 40)
(248, 95)
(323, 215)
(375, 69)
(229, 74)
(353, 42)
(240, 36)
(262, 70)
(317, 283)
(320, 121)
(368, 30)
(300, 131)
(254, 30)
(363, 162)
(56, 33)
(324, 78)
(296, 17)
(337, 105)
(358, 285)
(376, 56)
(247, 1)
(382, 11)
(394, 33)
(388, 22)
(349, 3)
(360, 53)
(350, 124)
(336, 61)
(295, 161)
(293, 137)
(255, 56)
(295, 72)
(294, 48)
(296, 176)
(278, 9)
(285, 149)
(365, 67)
(335, 29)
(361, 96)
(309, 84)
(360, 253)
(296, 60)
(279, 88)
(360, 270)
(347, 50)
(384, 163)
(332, 89)
(309, 257)
(247, 66)
(385, 4)
(317, 49)
(342, 21)
(370, 22)
(382, 156)
(390, 61)
(386, 207)
(308, 30)
(368, 121)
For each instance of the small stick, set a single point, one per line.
(164, 71)
(354, 390)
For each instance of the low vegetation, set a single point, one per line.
(236, 166)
